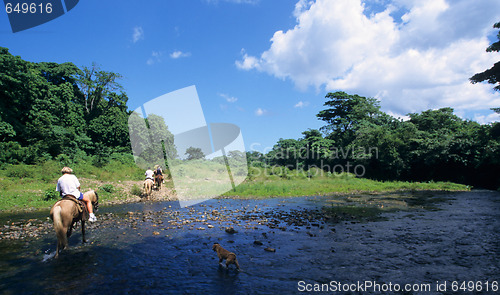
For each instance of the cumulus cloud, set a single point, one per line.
(138, 34)
(419, 60)
(178, 54)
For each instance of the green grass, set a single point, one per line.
(26, 187)
(297, 183)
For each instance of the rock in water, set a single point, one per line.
(230, 230)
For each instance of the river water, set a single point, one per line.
(159, 248)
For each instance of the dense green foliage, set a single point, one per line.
(359, 138)
(57, 111)
(151, 140)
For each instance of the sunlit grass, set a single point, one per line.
(293, 183)
(25, 186)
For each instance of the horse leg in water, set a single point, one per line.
(83, 232)
(70, 230)
(61, 229)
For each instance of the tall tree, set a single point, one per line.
(44, 113)
(96, 85)
(193, 153)
(492, 75)
(345, 114)
(151, 140)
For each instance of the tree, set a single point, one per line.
(151, 140)
(96, 85)
(315, 148)
(45, 114)
(286, 152)
(346, 113)
(491, 75)
(436, 120)
(193, 153)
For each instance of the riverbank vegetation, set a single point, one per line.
(28, 187)
(54, 115)
(282, 182)
(31, 187)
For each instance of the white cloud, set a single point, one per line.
(399, 116)
(178, 54)
(422, 60)
(260, 112)
(248, 63)
(138, 34)
(228, 98)
(486, 119)
(156, 57)
(301, 104)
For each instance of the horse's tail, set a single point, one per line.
(62, 240)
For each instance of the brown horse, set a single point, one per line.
(66, 212)
(148, 186)
(158, 181)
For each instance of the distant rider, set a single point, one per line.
(150, 174)
(158, 171)
(68, 184)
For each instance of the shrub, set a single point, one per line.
(123, 158)
(18, 171)
(109, 188)
(50, 194)
(241, 172)
(136, 190)
(64, 160)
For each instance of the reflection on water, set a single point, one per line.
(147, 249)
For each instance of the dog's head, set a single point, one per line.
(215, 246)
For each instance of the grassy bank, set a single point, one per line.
(282, 182)
(29, 187)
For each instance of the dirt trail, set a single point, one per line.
(166, 193)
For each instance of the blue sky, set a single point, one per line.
(266, 65)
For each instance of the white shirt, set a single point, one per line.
(68, 185)
(149, 174)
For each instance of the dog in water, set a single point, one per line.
(224, 254)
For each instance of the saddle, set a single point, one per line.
(82, 208)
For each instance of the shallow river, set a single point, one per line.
(159, 248)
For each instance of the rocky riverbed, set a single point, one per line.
(282, 245)
(203, 217)
(272, 213)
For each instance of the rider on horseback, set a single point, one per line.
(158, 171)
(150, 174)
(68, 184)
